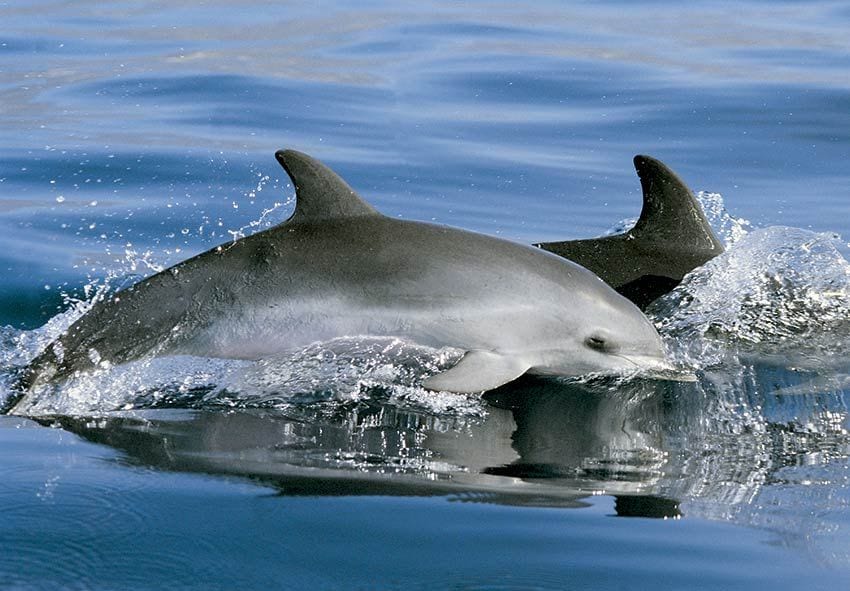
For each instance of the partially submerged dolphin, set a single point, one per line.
(671, 238)
(339, 268)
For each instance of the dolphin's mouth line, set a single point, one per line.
(626, 359)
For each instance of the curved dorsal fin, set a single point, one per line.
(670, 211)
(320, 194)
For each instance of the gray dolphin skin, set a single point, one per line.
(339, 268)
(671, 238)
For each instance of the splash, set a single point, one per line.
(775, 291)
(729, 229)
(338, 371)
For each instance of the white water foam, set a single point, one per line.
(776, 291)
(343, 370)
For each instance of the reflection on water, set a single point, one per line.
(724, 448)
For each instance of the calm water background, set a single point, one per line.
(133, 135)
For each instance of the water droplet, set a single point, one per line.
(94, 356)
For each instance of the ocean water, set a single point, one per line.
(134, 135)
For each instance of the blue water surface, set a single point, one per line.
(133, 135)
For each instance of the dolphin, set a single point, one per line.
(339, 268)
(671, 238)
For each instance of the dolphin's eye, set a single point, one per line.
(598, 342)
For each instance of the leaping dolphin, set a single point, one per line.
(339, 268)
(671, 238)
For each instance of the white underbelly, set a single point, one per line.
(256, 333)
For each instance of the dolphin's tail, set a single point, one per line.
(671, 238)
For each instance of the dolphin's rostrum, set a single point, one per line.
(339, 268)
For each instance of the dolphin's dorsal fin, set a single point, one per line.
(670, 211)
(320, 194)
